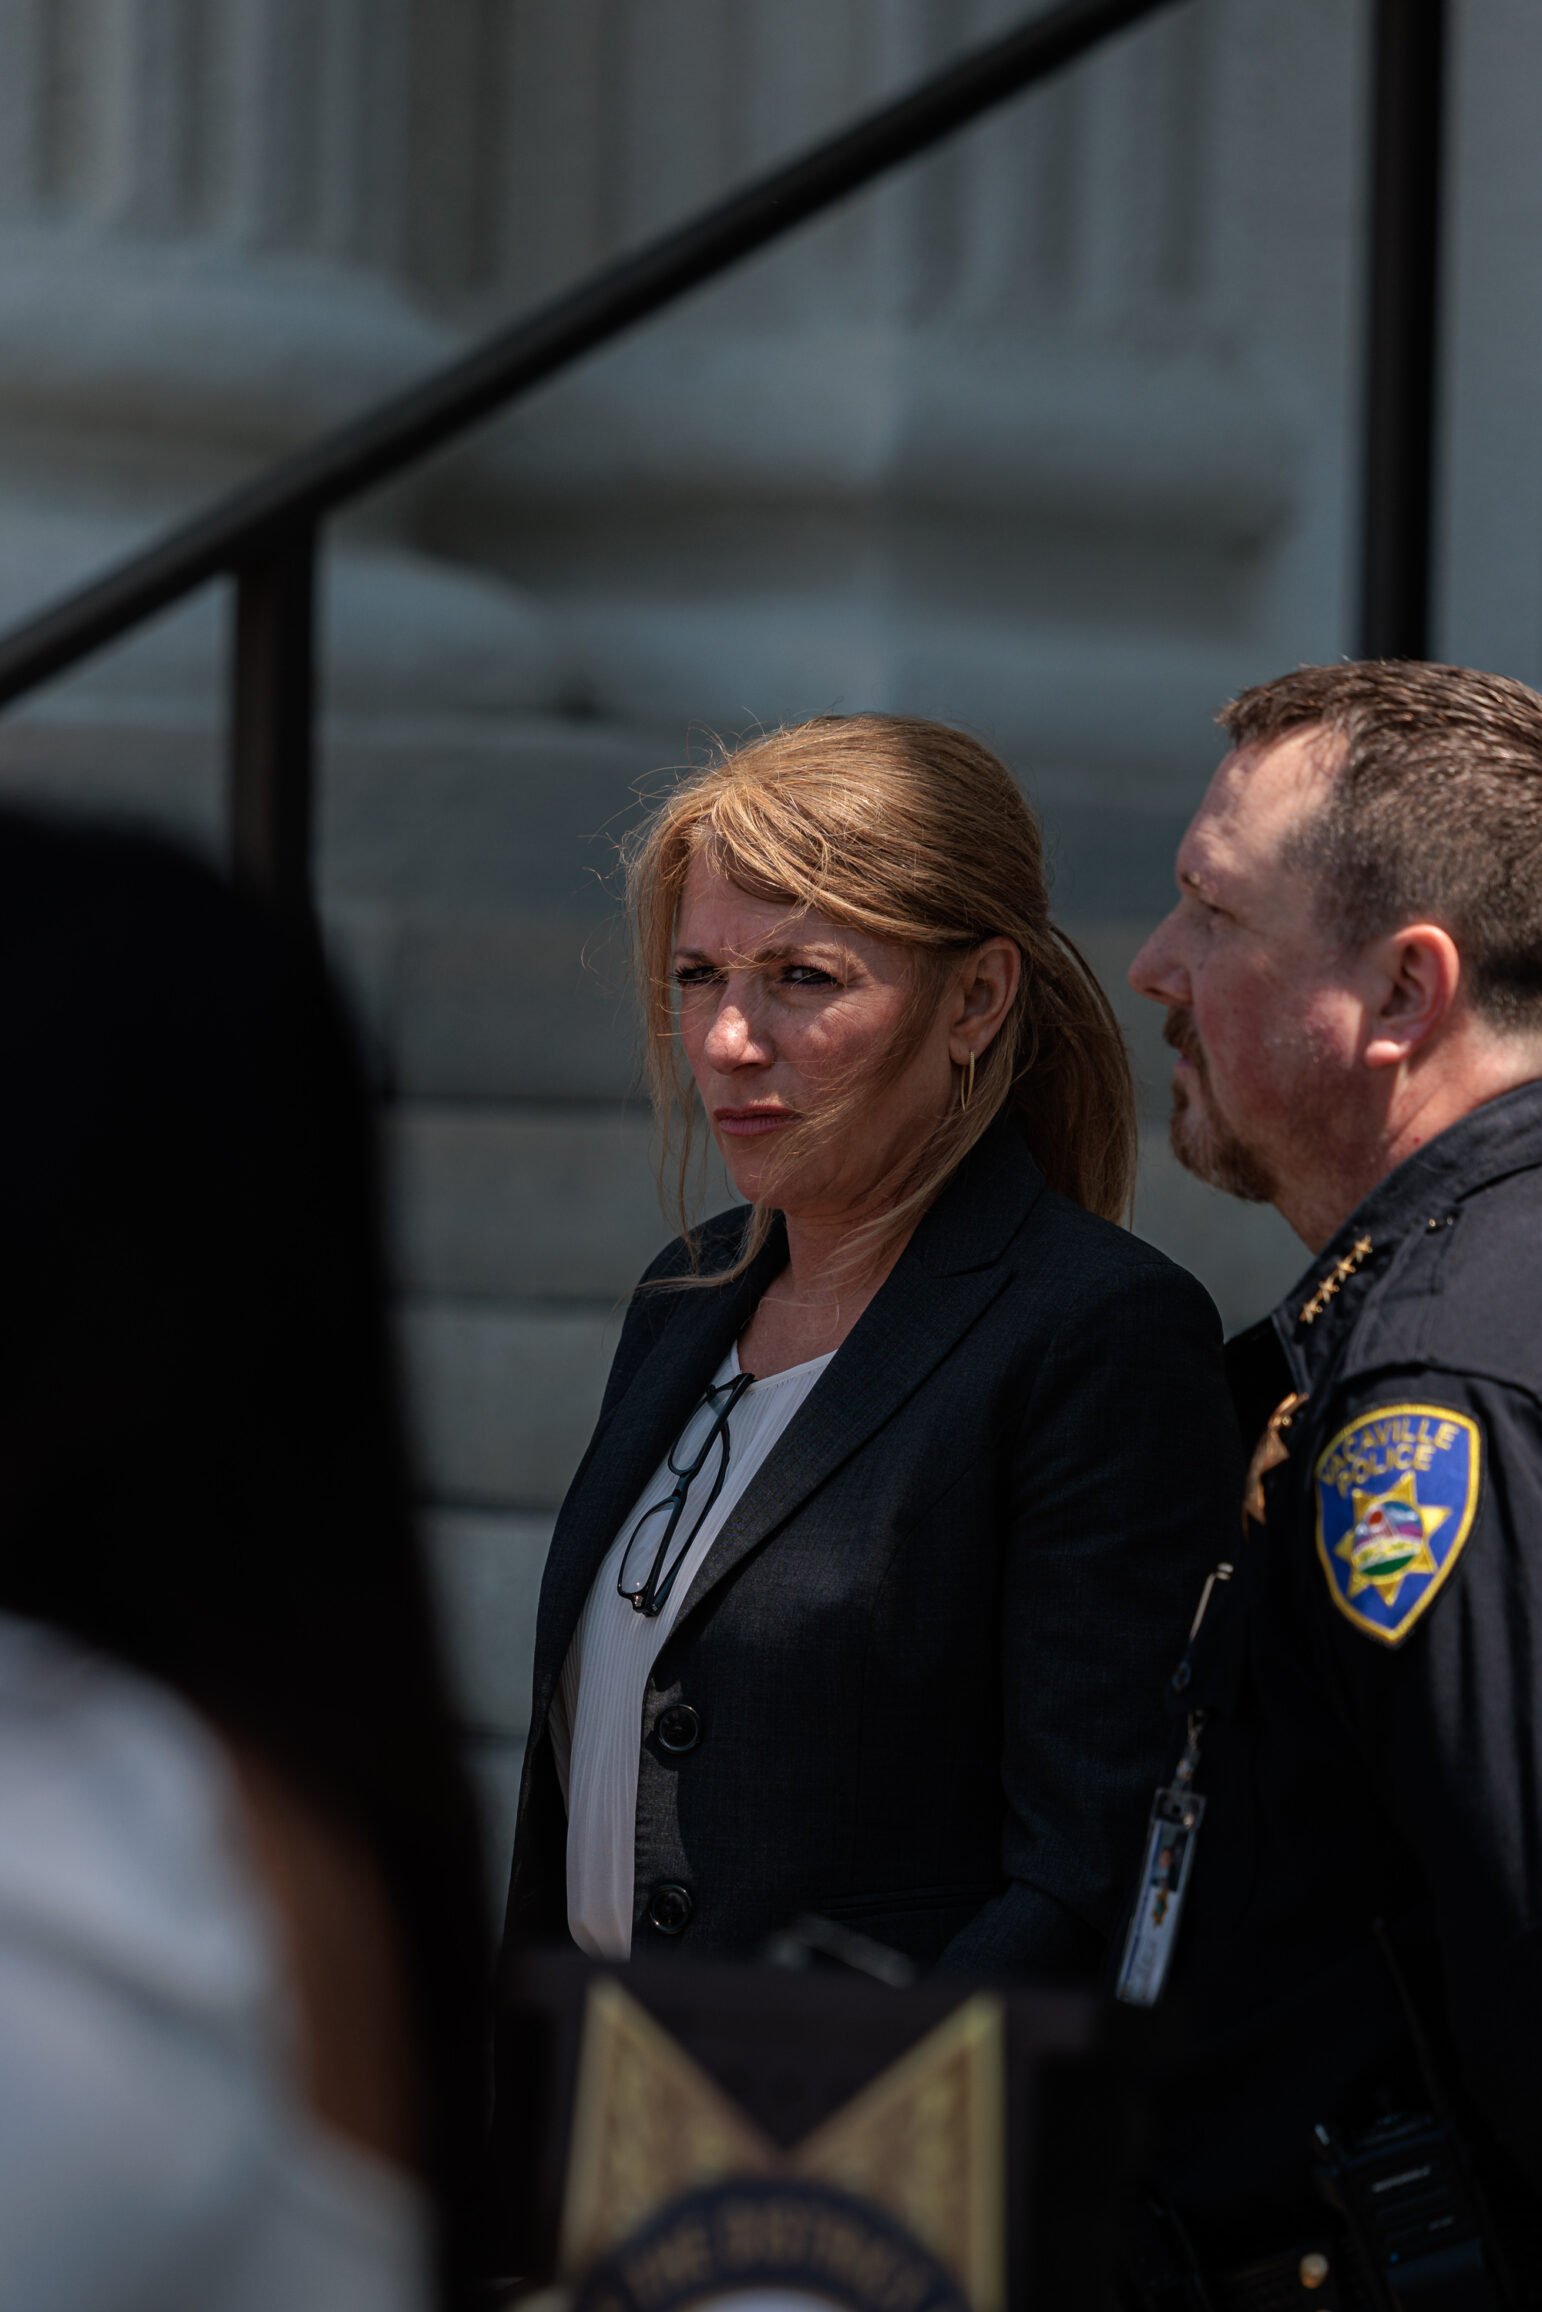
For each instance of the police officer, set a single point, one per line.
(1343, 1891)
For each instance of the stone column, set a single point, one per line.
(918, 452)
(205, 255)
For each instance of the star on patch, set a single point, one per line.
(1397, 1493)
(1389, 1541)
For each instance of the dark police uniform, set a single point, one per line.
(1367, 1690)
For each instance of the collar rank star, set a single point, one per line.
(1397, 1491)
(1337, 1277)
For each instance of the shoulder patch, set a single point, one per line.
(1397, 1491)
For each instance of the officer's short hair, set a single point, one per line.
(1435, 811)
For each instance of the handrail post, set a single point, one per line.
(272, 718)
(1402, 349)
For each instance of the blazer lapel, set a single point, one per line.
(702, 1327)
(947, 1276)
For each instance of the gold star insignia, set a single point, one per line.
(1384, 1561)
(1337, 1277)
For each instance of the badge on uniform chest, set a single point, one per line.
(1270, 1452)
(1397, 1491)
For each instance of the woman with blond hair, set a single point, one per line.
(909, 1468)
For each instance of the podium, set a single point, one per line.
(705, 2135)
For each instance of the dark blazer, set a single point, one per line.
(927, 1655)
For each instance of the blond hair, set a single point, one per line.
(913, 833)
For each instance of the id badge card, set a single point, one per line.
(1164, 1878)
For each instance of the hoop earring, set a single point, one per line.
(966, 1088)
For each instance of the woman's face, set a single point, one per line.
(778, 1010)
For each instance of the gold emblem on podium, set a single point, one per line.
(920, 2151)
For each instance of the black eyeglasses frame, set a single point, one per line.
(651, 1595)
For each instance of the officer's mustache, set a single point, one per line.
(1178, 1030)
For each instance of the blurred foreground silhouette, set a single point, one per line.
(240, 1951)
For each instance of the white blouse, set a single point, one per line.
(596, 1719)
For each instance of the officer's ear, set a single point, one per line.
(1416, 973)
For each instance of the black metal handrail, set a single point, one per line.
(1402, 328)
(266, 533)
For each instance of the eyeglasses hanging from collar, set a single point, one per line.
(647, 1569)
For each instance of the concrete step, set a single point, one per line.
(487, 1577)
(453, 817)
(497, 1205)
(498, 1009)
(494, 1204)
(503, 1397)
(487, 1571)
